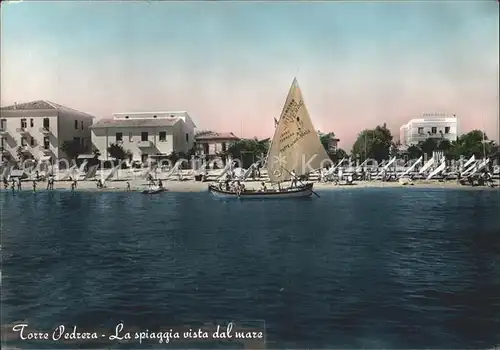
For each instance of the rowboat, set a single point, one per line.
(153, 190)
(302, 191)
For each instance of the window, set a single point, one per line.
(126, 117)
(119, 137)
(155, 116)
(76, 124)
(32, 141)
(163, 136)
(224, 147)
(32, 122)
(23, 141)
(3, 124)
(433, 130)
(46, 123)
(420, 130)
(23, 123)
(81, 125)
(130, 137)
(144, 136)
(187, 137)
(144, 157)
(46, 142)
(447, 130)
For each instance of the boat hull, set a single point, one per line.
(154, 191)
(299, 192)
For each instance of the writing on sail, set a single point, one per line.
(289, 136)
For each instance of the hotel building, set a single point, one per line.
(37, 129)
(437, 126)
(145, 135)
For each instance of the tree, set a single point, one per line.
(116, 151)
(474, 143)
(72, 149)
(414, 152)
(428, 146)
(255, 146)
(373, 143)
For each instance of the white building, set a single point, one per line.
(145, 135)
(438, 126)
(37, 129)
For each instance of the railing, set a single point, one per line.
(22, 130)
(3, 130)
(45, 130)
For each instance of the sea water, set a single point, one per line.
(373, 268)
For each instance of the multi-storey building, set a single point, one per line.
(145, 135)
(38, 129)
(438, 126)
(213, 144)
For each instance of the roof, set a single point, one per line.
(40, 105)
(217, 136)
(133, 123)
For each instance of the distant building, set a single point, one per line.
(145, 135)
(437, 126)
(214, 143)
(39, 128)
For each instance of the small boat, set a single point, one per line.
(154, 190)
(295, 140)
(302, 191)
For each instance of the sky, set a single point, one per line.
(230, 64)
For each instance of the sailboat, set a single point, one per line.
(294, 144)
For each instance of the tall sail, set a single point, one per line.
(295, 145)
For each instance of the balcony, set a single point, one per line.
(45, 130)
(144, 144)
(22, 131)
(3, 131)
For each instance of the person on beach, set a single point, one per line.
(5, 183)
(34, 186)
(19, 186)
(294, 179)
(73, 186)
(263, 187)
(160, 184)
(128, 186)
(13, 186)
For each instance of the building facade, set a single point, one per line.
(212, 144)
(38, 129)
(431, 125)
(145, 135)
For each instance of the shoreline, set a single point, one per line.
(198, 186)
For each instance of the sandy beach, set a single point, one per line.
(198, 186)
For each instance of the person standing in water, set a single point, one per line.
(34, 186)
(19, 188)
